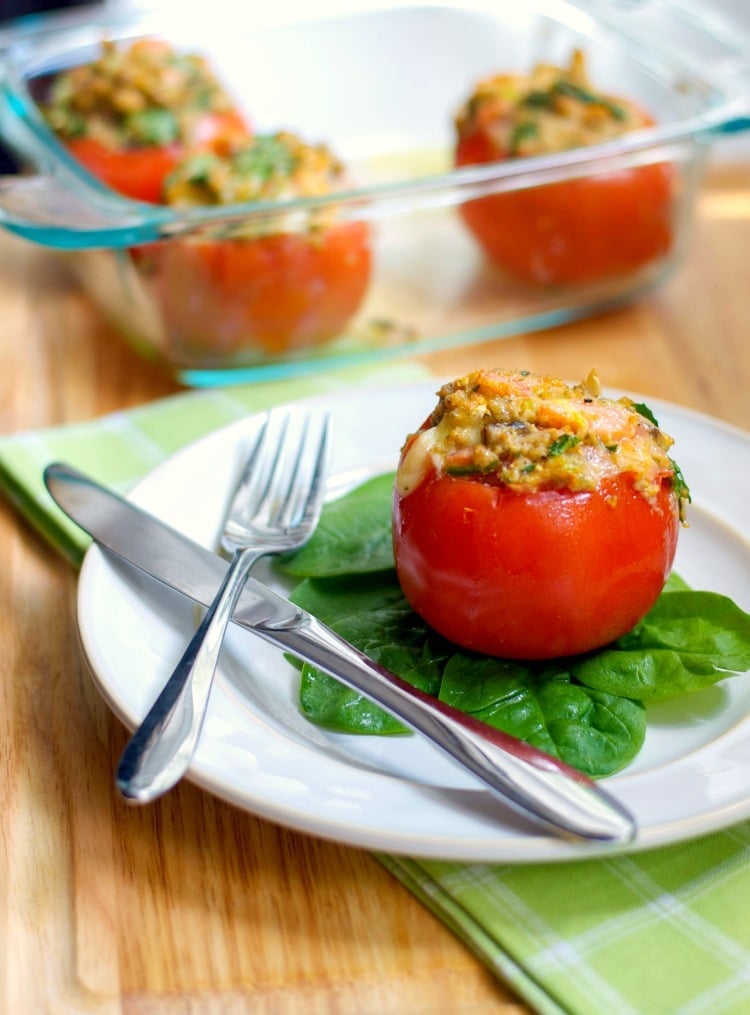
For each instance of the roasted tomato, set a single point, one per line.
(140, 172)
(582, 230)
(132, 114)
(533, 520)
(272, 293)
(261, 284)
(136, 172)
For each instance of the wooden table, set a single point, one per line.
(190, 905)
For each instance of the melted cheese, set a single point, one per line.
(416, 461)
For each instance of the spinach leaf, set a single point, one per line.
(675, 583)
(352, 537)
(643, 410)
(371, 613)
(394, 637)
(687, 641)
(329, 703)
(330, 599)
(595, 732)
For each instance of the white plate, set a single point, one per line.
(401, 795)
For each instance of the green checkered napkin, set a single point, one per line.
(665, 932)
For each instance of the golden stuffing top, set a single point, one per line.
(270, 167)
(549, 110)
(529, 432)
(141, 94)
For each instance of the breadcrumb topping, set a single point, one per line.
(549, 110)
(144, 93)
(529, 432)
(269, 167)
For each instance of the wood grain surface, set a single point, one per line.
(190, 905)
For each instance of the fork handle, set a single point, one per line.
(160, 751)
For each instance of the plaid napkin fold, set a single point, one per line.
(665, 932)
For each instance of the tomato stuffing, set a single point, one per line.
(141, 172)
(133, 113)
(598, 226)
(532, 520)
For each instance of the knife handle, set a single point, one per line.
(531, 781)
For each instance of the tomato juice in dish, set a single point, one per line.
(578, 231)
(533, 519)
(131, 114)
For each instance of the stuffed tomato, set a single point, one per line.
(133, 113)
(601, 225)
(532, 519)
(274, 284)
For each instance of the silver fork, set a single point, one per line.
(275, 507)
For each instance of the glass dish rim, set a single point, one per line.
(116, 221)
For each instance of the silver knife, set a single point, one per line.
(541, 787)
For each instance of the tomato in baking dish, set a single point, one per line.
(131, 114)
(273, 293)
(598, 226)
(532, 519)
(273, 283)
(140, 172)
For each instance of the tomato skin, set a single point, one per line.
(532, 575)
(573, 232)
(140, 173)
(273, 294)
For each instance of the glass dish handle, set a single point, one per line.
(49, 209)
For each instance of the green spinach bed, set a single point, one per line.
(588, 710)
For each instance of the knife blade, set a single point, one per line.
(541, 787)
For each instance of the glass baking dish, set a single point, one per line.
(380, 85)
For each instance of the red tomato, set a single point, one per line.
(140, 172)
(573, 232)
(532, 575)
(273, 293)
